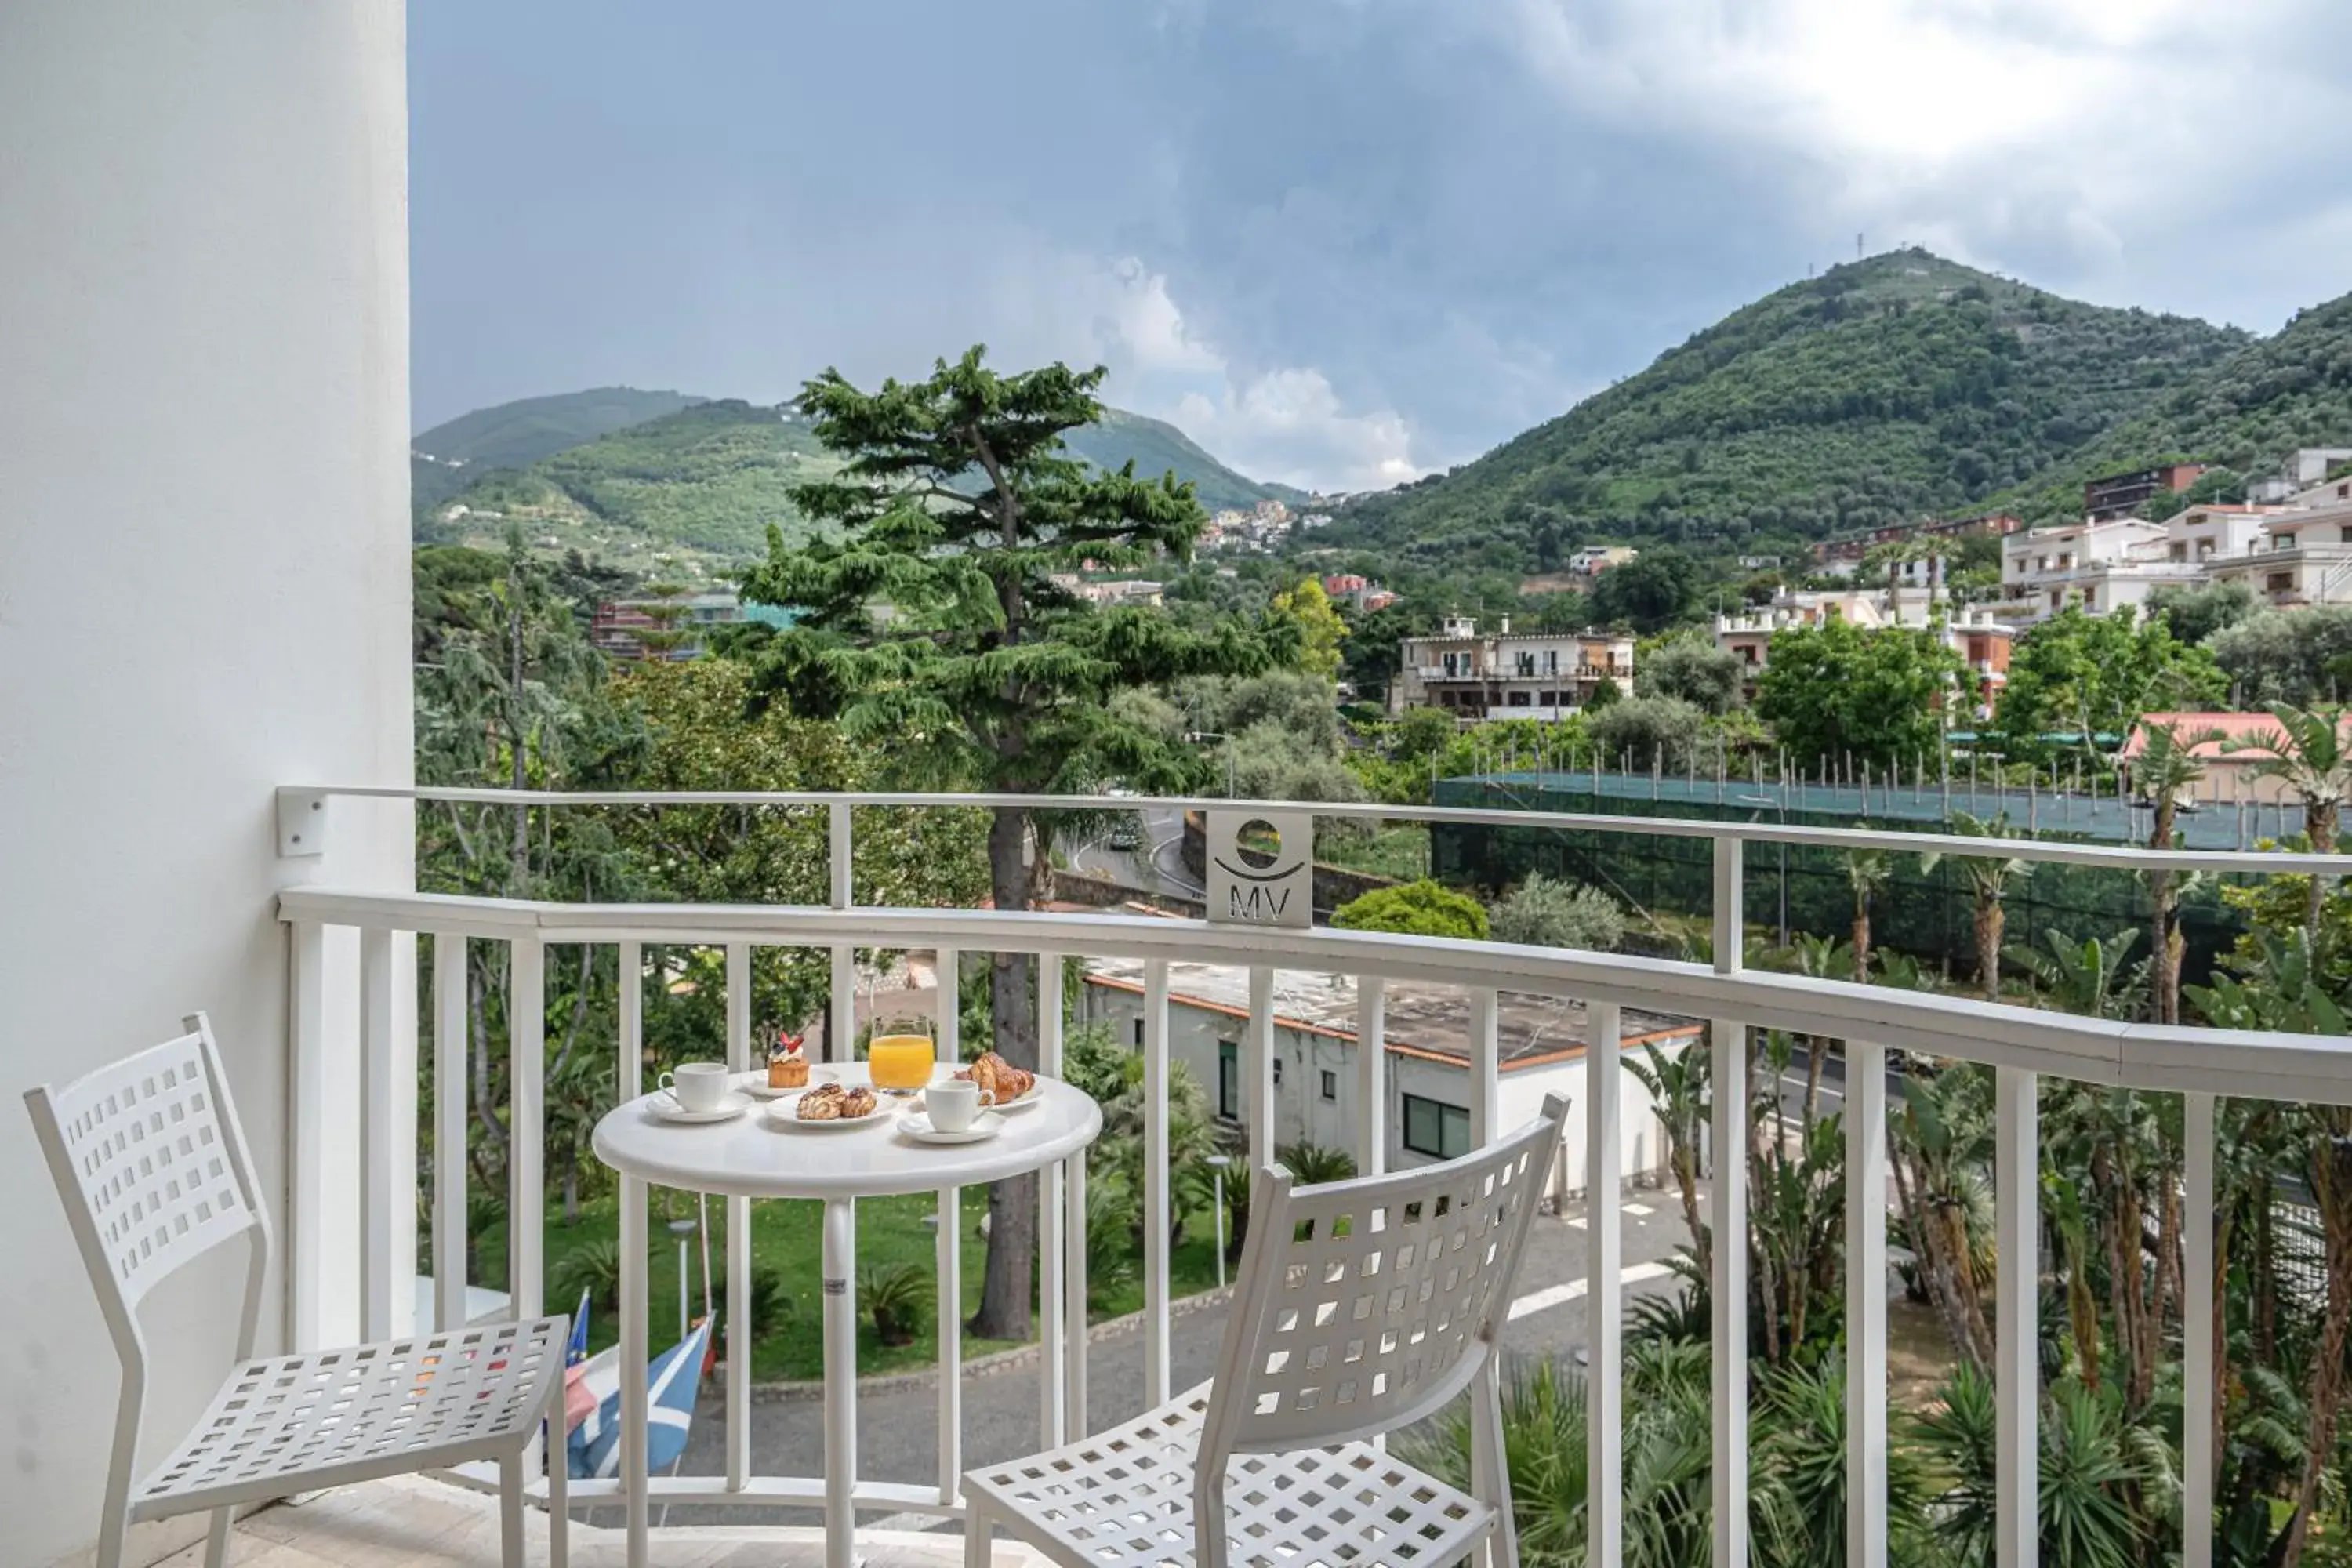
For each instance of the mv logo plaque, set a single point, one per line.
(1261, 868)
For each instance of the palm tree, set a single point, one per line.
(1892, 556)
(2309, 755)
(1988, 877)
(2166, 768)
(1866, 871)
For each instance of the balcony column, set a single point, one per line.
(2016, 1354)
(1865, 1304)
(2199, 1390)
(1727, 1078)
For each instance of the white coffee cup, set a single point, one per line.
(697, 1085)
(953, 1104)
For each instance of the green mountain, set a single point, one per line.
(689, 494)
(1156, 446)
(2292, 389)
(1884, 390)
(684, 496)
(446, 458)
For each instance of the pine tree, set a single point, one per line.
(931, 612)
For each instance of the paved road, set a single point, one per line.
(897, 1432)
(1157, 865)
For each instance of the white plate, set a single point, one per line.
(1027, 1101)
(664, 1107)
(755, 1083)
(784, 1111)
(917, 1126)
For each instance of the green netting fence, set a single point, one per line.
(1926, 911)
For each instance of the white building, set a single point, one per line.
(1427, 1081)
(1507, 674)
(1971, 632)
(2289, 555)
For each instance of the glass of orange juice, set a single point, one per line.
(901, 1055)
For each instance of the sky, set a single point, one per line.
(1343, 243)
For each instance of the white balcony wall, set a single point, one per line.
(203, 593)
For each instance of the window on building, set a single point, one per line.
(2279, 583)
(1330, 1084)
(1138, 1032)
(1518, 699)
(2344, 535)
(1229, 1079)
(2282, 541)
(1277, 1072)
(1527, 662)
(1552, 661)
(1434, 1128)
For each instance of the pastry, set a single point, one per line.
(787, 1068)
(822, 1103)
(859, 1103)
(999, 1079)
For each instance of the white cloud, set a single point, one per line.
(1287, 424)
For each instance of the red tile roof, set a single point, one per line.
(2233, 728)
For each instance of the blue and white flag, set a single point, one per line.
(673, 1381)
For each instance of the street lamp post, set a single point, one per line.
(683, 1230)
(1217, 1164)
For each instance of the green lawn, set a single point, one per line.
(1400, 850)
(785, 1237)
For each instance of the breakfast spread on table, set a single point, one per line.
(787, 1066)
(831, 1102)
(999, 1080)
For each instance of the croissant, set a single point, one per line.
(999, 1079)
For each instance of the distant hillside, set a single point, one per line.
(687, 495)
(451, 456)
(2290, 389)
(1883, 390)
(1158, 447)
(690, 492)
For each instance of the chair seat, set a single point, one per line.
(298, 1423)
(1123, 1499)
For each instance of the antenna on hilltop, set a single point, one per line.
(1858, 246)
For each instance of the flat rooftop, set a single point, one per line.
(1431, 1022)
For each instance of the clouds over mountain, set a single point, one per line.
(1340, 241)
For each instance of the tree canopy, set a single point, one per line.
(1836, 689)
(2077, 672)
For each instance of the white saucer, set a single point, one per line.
(784, 1111)
(755, 1083)
(917, 1126)
(662, 1106)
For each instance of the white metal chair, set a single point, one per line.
(153, 1166)
(1362, 1306)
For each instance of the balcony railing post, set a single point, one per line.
(1604, 1506)
(308, 1137)
(1257, 1068)
(2197, 1321)
(449, 1131)
(1371, 1075)
(1865, 1304)
(739, 1239)
(384, 1155)
(2016, 1359)
(1727, 1074)
(1485, 1064)
(841, 1018)
(1157, 1203)
(946, 1246)
(526, 1124)
(1053, 1388)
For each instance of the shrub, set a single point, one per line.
(1415, 909)
(1640, 730)
(1312, 1165)
(1544, 912)
(895, 1296)
(594, 1266)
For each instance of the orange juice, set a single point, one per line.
(901, 1063)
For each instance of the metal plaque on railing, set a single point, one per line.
(1261, 867)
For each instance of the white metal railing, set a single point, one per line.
(2019, 1043)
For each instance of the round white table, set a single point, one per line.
(750, 1157)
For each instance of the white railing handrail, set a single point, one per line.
(2098, 1050)
(2119, 857)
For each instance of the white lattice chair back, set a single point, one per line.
(152, 1166)
(1366, 1305)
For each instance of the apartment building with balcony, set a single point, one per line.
(2288, 555)
(2112, 496)
(1509, 675)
